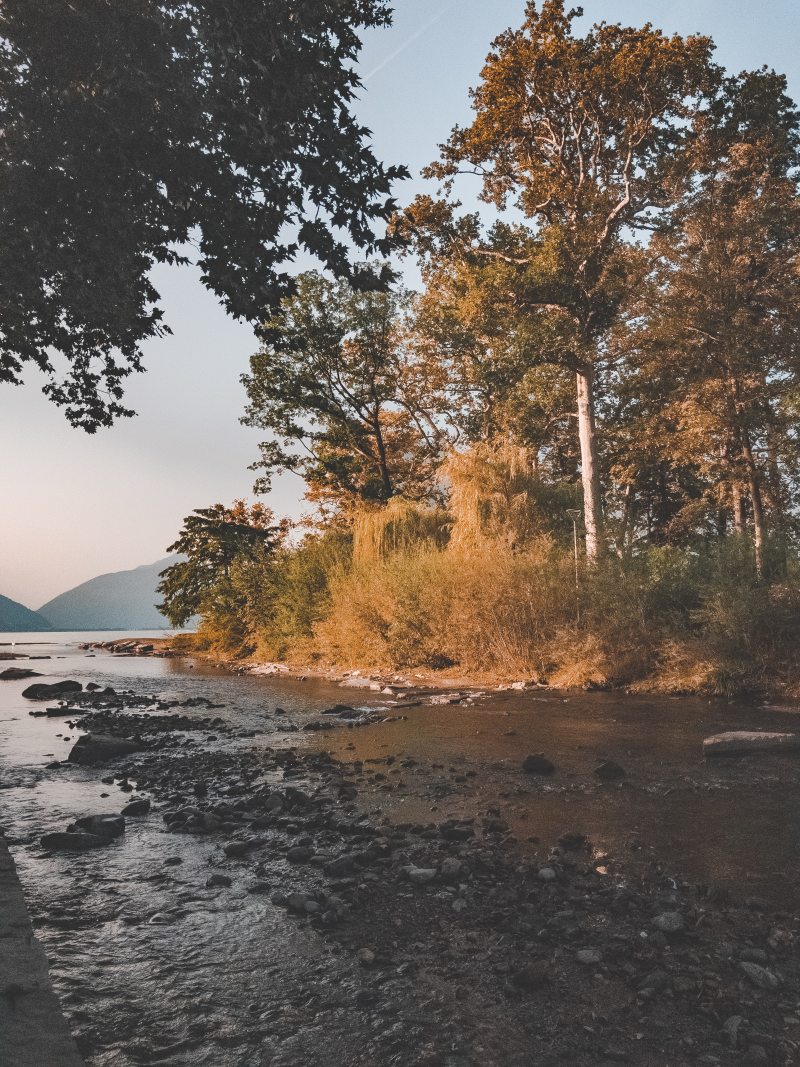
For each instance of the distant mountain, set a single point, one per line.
(123, 600)
(17, 618)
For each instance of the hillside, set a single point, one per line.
(122, 600)
(16, 618)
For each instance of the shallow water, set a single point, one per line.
(183, 974)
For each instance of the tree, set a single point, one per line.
(714, 340)
(212, 539)
(350, 403)
(583, 136)
(131, 129)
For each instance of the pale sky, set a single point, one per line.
(73, 506)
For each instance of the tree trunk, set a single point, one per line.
(627, 521)
(590, 470)
(757, 502)
(738, 508)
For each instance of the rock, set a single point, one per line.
(216, 880)
(340, 867)
(742, 742)
(756, 1055)
(759, 976)
(573, 841)
(137, 807)
(99, 748)
(654, 982)
(299, 854)
(731, 1028)
(12, 674)
(670, 922)
(47, 691)
(588, 956)
(547, 874)
(450, 868)
(102, 825)
(419, 875)
(537, 764)
(73, 842)
(609, 771)
(532, 975)
(236, 849)
(366, 957)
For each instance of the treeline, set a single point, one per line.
(612, 341)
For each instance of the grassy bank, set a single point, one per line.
(664, 620)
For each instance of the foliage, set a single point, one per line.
(211, 540)
(349, 402)
(130, 129)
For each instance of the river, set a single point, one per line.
(154, 967)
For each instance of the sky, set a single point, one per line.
(73, 505)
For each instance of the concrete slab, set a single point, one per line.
(33, 1030)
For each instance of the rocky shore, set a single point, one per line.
(448, 942)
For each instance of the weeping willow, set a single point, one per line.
(494, 491)
(398, 526)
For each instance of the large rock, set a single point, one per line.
(100, 825)
(51, 690)
(13, 674)
(742, 742)
(100, 748)
(73, 842)
(538, 764)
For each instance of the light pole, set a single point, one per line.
(575, 514)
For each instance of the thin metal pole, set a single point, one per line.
(577, 586)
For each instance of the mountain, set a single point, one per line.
(123, 600)
(16, 618)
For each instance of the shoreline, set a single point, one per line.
(33, 1030)
(421, 682)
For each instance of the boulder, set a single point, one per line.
(742, 742)
(137, 807)
(100, 748)
(12, 674)
(51, 690)
(73, 842)
(100, 825)
(609, 771)
(537, 764)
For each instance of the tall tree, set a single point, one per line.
(349, 401)
(130, 129)
(581, 136)
(716, 332)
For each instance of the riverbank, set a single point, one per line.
(33, 1031)
(395, 886)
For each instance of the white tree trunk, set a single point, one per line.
(590, 470)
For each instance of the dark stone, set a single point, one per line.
(299, 854)
(137, 807)
(537, 764)
(73, 842)
(98, 748)
(572, 841)
(609, 771)
(101, 825)
(47, 691)
(216, 880)
(532, 975)
(11, 674)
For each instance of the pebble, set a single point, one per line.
(669, 922)
(588, 956)
(759, 976)
(419, 875)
